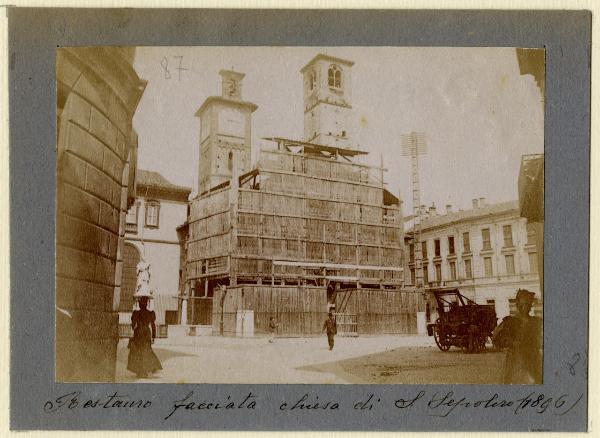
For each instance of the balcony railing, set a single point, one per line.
(131, 228)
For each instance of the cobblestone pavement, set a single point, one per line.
(381, 359)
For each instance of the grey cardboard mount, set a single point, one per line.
(34, 35)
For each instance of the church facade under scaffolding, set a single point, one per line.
(308, 229)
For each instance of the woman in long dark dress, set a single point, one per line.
(142, 360)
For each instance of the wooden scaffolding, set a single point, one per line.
(306, 215)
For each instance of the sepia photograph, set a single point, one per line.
(300, 215)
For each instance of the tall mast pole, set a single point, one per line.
(413, 145)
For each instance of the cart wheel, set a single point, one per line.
(440, 339)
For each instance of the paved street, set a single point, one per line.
(381, 359)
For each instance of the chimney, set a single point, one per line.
(432, 209)
(475, 203)
(448, 208)
(481, 202)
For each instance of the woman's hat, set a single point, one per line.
(526, 295)
(142, 293)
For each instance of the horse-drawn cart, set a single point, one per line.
(462, 322)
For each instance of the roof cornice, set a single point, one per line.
(219, 99)
(322, 56)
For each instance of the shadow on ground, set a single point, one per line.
(164, 354)
(417, 365)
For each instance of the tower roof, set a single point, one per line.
(324, 57)
(232, 74)
(229, 96)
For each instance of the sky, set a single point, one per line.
(479, 115)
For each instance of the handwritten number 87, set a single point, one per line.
(164, 62)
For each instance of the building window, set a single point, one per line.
(451, 245)
(230, 161)
(424, 249)
(508, 239)
(425, 274)
(438, 272)
(412, 276)
(436, 244)
(466, 242)
(487, 264)
(452, 270)
(231, 87)
(533, 264)
(132, 214)
(335, 77)
(485, 237)
(312, 80)
(468, 269)
(510, 264)
(531, 235)
(152, 213)
(411, 252)
(131, 219)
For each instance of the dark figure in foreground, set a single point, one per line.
(142, 359)
(331, 327)
(522, 335)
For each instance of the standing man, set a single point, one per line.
(331, 327)
(272, 328)
(522, 334)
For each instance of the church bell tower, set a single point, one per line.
(225, 133)
(327, 108)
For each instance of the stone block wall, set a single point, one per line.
(97, 94)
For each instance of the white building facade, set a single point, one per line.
(151, 234)
(488, 253)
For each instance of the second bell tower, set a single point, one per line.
(327, 99)
(225, 133)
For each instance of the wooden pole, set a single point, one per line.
(193, 293)
(233, 217)
(272, 272)
(400, 223)
(357, 258)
